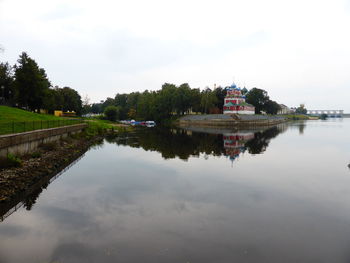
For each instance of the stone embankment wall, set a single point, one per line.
(26, 142)
(230, 121)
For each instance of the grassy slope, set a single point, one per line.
(9, 114)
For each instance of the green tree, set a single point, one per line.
(121, 101)
(301, 109)
(111, 113)
(182, 99)
(31, 83)
(146, 105)
(195, 100)
(165, 102)
(6, 82)
(272, 107)
(71, 100)
(50, 100)
(220, 94)
(108, 102)
(208, 100)
(244, 91)
(96, 108)
(258, 98)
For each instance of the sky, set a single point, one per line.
(298, 50)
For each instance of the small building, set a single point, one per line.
(234, 102)
(284, 109)
(60, 113)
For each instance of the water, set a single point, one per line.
(279, 195)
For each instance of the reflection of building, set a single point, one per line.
(235, 102)
(234, 143)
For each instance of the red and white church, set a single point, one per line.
(235, 102)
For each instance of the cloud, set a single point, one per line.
(285, 47)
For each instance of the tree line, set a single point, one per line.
(172, 100)
(26, 85)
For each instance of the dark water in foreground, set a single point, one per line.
(280, 195)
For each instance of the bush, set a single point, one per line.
(10, 161)
(111, 113)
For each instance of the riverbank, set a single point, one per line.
(230, 120)
(49, 159)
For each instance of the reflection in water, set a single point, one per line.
(124, 202)
(184, 143)
(29, 198)
(171, 143)
(234, 143)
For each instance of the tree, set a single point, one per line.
(31, 83)
(258, 98)
(301, 109)
(86, 105)
(50, 103)
(71, 100)
(220, 94)
(208, 100)
(111, 113)
(132, 113)
(96, 108)
(195, 100)
(181, 99)
(164, 102)
(120, 101)
(272, 107)
(6, 82)
(244, 91)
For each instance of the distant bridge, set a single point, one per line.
(330, 113)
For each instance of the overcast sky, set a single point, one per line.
(297, 50)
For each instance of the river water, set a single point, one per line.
(196, 195)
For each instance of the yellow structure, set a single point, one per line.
(58, 113)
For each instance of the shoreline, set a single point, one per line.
(230, 120)
(42, 165)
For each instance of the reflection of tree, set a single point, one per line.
(30, 200)
(172, 143)
(301, 128)
(262, 139)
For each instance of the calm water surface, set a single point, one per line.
(279, 195)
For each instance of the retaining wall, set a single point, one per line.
(230, 121)
(26, 142)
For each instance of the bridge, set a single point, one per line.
(329, 113)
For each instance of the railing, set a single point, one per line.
(17, 127)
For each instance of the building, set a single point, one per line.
(234, 102)
(60, 113)
(284, 109)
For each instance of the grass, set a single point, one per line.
(296, 116)
(14, 120)
(98, 126)
(10, 114)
